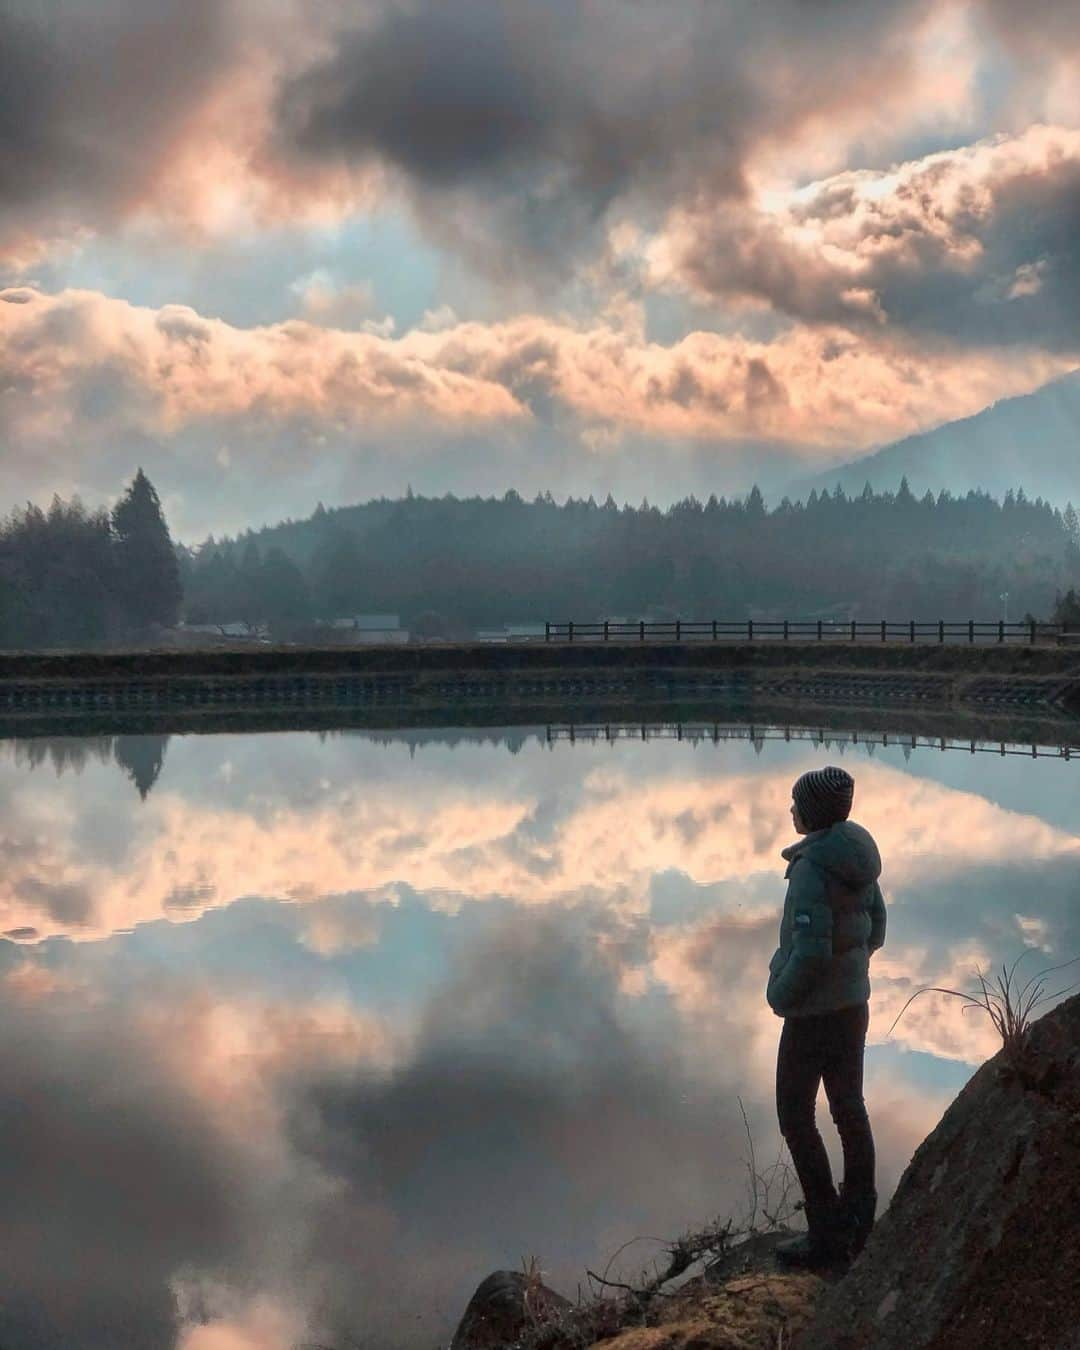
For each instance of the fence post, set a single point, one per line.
(714, 630)
(749, 630)
(570, 631)
(913, 630)
(678, 630)
(642, 625)
(971, 630)
(1033, 632)
(853, 630)
(1001, 630)
(605, 630)
(547, 630)
(785, 630)
(883, 630)
(819, 630)
(941, 630)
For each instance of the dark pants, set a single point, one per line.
(825, 1046)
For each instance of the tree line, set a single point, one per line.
(448, 565)
(70, 577)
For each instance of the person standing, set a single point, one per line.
(819, 983)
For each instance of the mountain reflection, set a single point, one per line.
(510, 1009)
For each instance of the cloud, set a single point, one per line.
(113, 1178)
(204, 844)
(127, 113)
(976, 244)
(516, 137)
(535, 1114)
(391, 1099)
(518, 132)
(90, 385)
(83, 142)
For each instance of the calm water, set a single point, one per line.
(302, 1036)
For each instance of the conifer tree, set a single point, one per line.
(149, 572)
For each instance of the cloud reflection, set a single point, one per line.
(511, 1012)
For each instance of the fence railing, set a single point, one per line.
(813, 630)
(695, 733)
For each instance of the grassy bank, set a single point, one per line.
(990, 659)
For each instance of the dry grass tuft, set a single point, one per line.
(1009, 1010)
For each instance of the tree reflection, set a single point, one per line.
(140, 757)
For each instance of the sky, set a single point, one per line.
(280, 252)
(308, 1041)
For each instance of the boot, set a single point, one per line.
(855, 1218)
(824, 1242)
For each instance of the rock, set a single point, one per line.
(979, 1245)
(506, 1305)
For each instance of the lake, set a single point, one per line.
(303, 1035)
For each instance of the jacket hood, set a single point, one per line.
(845, 849)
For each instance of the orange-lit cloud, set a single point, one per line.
(79, 366)
(453, 842)
(950, 243)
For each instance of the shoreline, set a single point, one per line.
(1008, 692)
(987, 658)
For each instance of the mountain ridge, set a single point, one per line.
(1030, 441)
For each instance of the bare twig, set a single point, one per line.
(752, 1164)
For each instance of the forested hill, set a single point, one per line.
(1034, 439)
(446, 565)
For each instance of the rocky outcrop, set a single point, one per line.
(979, 1246)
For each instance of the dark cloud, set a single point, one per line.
(113, 1180)
(970, 246)
(91, 96)
(518, 127)
(1039, 28)
(537, 1109)
(69, 905)
(982, 906)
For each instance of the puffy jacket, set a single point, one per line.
(834, 917)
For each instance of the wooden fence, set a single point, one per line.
(806, 630)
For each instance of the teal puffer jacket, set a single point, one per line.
(834, 917)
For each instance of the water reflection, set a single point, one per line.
(140, 757)
(509, 1009)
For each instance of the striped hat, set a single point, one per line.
(824, 796)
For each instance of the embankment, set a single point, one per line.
(999, 689)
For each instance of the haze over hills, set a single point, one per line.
(1032, 442)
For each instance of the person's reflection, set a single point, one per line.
(834, 918)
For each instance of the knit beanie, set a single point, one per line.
(824, 796)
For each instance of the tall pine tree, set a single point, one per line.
(149, 572)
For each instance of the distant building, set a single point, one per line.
(513, 632)
(368, 629)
